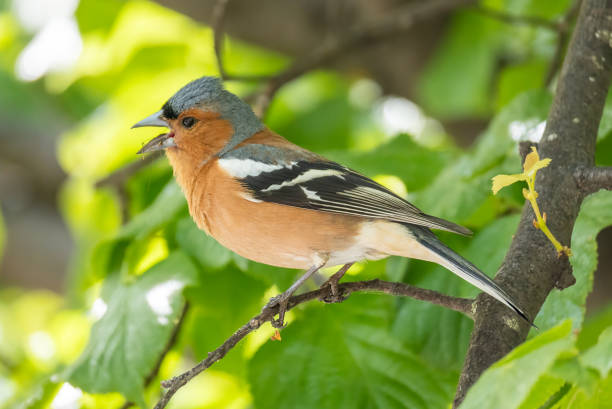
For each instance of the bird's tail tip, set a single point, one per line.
(470, 273)
(523, 315)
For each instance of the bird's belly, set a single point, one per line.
(280, 235)
(356, 252)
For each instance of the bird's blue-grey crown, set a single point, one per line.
(208, 93)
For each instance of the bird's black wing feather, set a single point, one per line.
(330, 187)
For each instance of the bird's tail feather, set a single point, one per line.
(469, 272)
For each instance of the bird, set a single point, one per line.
(276, 203)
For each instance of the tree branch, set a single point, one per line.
(218, 17)
(590, 180)
(561, 27)
(117, 179)
(395, 23)
(531, 268)
(463, 305)
(120, 176)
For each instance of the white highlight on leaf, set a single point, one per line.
(57, 43)
(41, 345)
(68, 397)
(158, 299)
(33, 15)
(98, 309)
(7, 389)
(364, 92)
(530, 130)
(310, 194)
(241, 168)
(305, 177)
(400, 115)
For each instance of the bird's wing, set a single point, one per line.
(311, 182)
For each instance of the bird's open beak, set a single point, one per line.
(160, 142)
(151, 120)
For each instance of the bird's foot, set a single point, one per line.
(281, 301)
(334, 295)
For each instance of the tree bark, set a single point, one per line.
(531, 268)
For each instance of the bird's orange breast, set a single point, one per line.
(268, 233)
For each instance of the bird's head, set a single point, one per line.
(195, 114)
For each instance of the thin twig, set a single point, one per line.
(117, 179)
(218, 18)
(463, 305)
(218, 15)
(169, 345)
(120, 176)
(395, 23)
(590, 180)
(561, 27)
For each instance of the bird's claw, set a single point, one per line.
(281, 300)
(334, 295)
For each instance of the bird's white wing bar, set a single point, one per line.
(241, 168)
(305, 177)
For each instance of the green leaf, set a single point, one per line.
(438, 334)
(594, 325)
(342, 356)
(573, 372)
(462, 187)
(508, 382)
(542, 8)
(314, 112)
(603, 153)
(201, 246)
(415, 164)
(146, 185)
(280, 277)
(570, 303)
(542, 391)
(109, 255)
(395, 268)
(457, 79)
(515, 79)
(1, 235)
(578, 398)
(39, 395)
(95, 16)
(126, 342)
(600, 356)
(216, 314)
(166, 206)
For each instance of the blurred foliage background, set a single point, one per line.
(94, 279)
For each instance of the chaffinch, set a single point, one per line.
(276, 203)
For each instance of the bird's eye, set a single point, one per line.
(188, 121)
